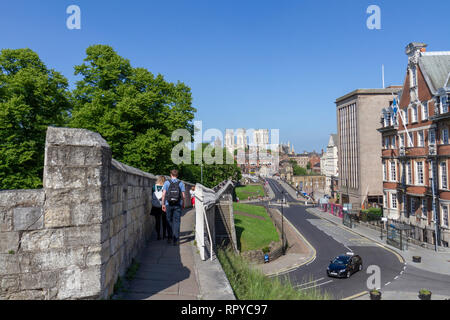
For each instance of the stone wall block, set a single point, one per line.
(82, 236)
(9, 242)
(87, 213)
(41, 280)
(9, 264)
(43, 240)
(31, 218)
(9, 284)
(6, 221)
(80, 283)
(55, 217)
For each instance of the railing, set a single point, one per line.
(205, 215)
(335, 209)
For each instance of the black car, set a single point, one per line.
(344, 265)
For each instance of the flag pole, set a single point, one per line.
(403, 120)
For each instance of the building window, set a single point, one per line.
(444, 184)
(412, 207)
(386, 142)
(444, 136)
(414, 114)
(425, 110)
(385, 200)
(408, 173)
(410, 139)
(424, 208)
(420, 139)
(431, 136)
(393, 200)
(393, 171)
(419, 172)
(406, 116)
(402, 140)
(443, 106)
(445, 216)
(384, 171)
(393, 142)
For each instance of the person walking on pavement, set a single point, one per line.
(173, 200)
(160, 216)
(192, 193)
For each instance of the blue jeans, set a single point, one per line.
(174, 218)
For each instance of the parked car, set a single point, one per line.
(345, 265)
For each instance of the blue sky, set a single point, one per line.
(250, 64)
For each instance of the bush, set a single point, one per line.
(371, 214)
(251, 284)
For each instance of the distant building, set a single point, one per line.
(329, 165)
(359, 148)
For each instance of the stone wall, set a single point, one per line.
(75, 237)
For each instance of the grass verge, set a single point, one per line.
(251, 190)
(253, 233)
(252, 284)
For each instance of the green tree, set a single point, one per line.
(135, 111)
(299, 171)
(213, 174)
(32, 97)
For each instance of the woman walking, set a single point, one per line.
(160, 216)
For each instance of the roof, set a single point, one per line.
(333, 137)
(435, 67)
(389, 90)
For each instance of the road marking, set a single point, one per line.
(304, 284)
(356, 295)
(317, 285)
(401, 272)
(396, 278)
(399, 257)
(387, 283)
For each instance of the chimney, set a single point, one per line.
(413, 51)
(414, 47)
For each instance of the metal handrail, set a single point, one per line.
(209, 232)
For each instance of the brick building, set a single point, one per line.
(416, 148)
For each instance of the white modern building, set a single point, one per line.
(329, 163)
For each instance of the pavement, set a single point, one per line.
(169, 272)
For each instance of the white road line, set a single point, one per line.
(401, 272)
(303, 284)
(396, 278)
(317, 285)
(387, 283)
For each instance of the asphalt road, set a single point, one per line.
(330, 240)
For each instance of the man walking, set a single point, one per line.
(173, 199)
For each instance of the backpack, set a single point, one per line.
(157, 196)
(174, 193)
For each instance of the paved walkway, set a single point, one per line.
(169, 272)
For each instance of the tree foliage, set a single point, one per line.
(135, 111)
(32, 98)
(213, 174)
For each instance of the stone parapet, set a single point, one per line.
(76, 236)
